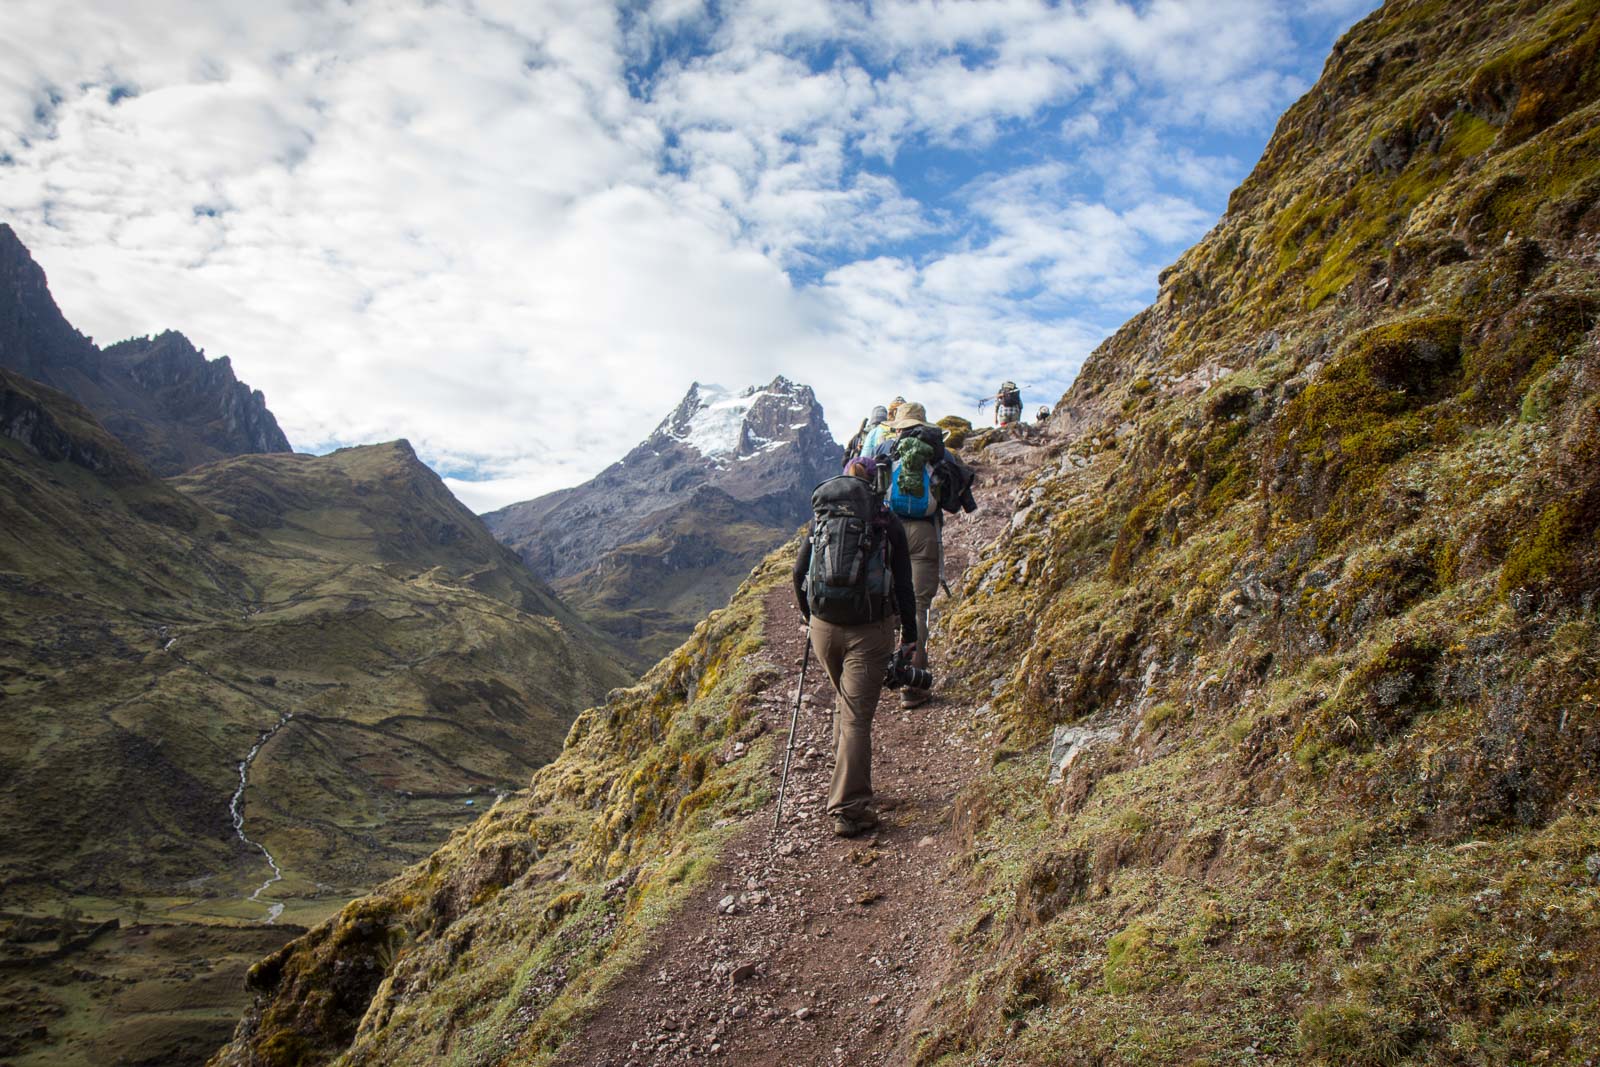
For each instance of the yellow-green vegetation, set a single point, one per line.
(1330, 573)
(956, 430)
(493, 949)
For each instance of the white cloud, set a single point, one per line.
(515, 231)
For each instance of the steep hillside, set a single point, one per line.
(1282, 677)
(256, 690)
(168, 403)
(652, 543)
(1313, 580)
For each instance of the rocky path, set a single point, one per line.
(818, 950)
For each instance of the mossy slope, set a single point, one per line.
(1320, 551)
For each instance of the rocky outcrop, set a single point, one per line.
(665, 534)
(171, 405)
(200, 394)
(51, 426)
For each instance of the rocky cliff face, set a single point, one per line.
(164, 399)
(665, 534)
(1288, 661)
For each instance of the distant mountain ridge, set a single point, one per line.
(242, 692)
(159, 395)
(657, 539)
(351, 590)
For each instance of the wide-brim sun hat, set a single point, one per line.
(910, 414)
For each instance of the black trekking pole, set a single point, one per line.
(794, 721)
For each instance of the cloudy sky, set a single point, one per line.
(514, 231)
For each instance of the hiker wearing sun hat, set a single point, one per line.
(913, 446)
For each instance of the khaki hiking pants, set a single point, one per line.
(927, 557)
(854, 657)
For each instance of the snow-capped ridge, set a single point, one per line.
(715, 421)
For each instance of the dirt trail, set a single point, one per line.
(818, 951)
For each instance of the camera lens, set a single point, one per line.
(900, 674)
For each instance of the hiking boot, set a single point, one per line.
(855, 825)
(915, 698)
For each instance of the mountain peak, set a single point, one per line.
(722, 425)
(34, 336)
(623, 544)
(161, 396)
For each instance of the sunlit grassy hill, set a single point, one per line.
(154, 630)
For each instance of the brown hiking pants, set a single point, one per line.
(927, 556)
(854, 657)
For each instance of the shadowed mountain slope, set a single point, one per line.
(652, 543)
(341, 624)
(168, 403)
(1285, 667)
(350, 590)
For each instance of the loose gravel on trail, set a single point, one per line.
(818, 949)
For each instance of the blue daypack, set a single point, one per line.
(924, 505)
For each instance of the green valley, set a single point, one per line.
(343, 614)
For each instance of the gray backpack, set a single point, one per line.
(849, 582)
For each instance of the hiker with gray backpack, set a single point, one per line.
(853, 581)
(866, 437)
(1007, 404)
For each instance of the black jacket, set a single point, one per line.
(905, 597)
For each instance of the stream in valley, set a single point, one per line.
(275, 908)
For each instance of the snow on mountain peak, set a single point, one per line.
(715, 426)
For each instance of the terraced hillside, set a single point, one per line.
(1283, 675)
(339, 624)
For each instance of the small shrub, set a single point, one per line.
(1132, 960)
(1348, 1035)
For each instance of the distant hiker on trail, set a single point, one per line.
(1044, 413)
(864, 440)
(852, 581)
(1007, 404)
(914, 448)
